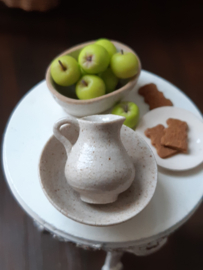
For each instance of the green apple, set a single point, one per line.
(124, 64)
(94, 59)
(129, 110)
(83, 72)
(108, 45)
(90, 86)
(109, 79)
(65, 70)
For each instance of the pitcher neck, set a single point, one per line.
(102, 126)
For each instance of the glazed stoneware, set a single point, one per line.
(129, 203)
(80, 108)
(98, 166)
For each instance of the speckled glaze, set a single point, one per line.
(67, 201)
(98, 166)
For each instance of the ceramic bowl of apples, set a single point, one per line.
(92, 77)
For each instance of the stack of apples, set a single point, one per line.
(97, 72)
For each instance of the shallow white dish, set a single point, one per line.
(67, 201)
(178, 162)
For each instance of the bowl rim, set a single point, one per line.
(93, 100)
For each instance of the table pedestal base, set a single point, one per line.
(112, 261)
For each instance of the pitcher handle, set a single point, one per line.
(57, 132)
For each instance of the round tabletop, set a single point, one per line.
(177, 195)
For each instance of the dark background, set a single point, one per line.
(168, 37)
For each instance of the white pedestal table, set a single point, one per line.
(177, 196)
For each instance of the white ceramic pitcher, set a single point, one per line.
(98, 166)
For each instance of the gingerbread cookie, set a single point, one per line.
(155, 134)
(153, 96)
(175, 136)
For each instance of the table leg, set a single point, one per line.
(112, 261)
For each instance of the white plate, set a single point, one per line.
(178, 162)
(67, 201)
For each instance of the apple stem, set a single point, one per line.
(125, 108)
(84, 82)
(122, 52)
(89, 58)
(64, 68)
